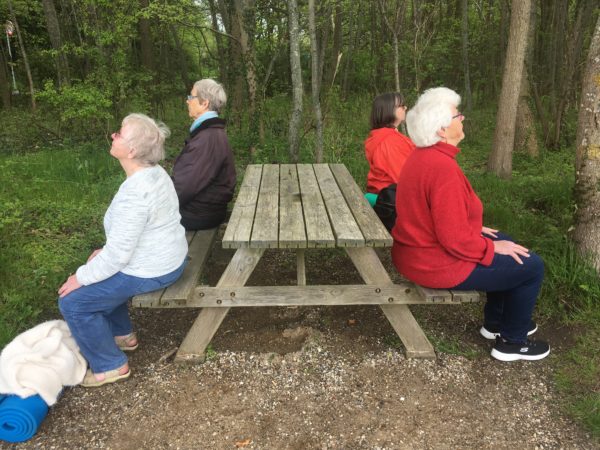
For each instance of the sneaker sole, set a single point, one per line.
(492, 336)
(507, 357)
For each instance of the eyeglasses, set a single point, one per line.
(460, 116)
(191, 97)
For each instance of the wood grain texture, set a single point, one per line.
(292, 233)
(318, 227)
(346, 231)
(328, 295)
(372, 271)
(239, 227)
(209, 320)
(198, 252)
(265, 231)
(374, 232)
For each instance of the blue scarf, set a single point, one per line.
(202, 118)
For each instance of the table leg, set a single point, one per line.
(208, 321)
(372, 271)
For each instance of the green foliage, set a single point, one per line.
(50, 221)
(579, 375)
(80, 108)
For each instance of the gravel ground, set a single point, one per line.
(318, 378)
(321, 397)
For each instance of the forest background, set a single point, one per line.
(300, 76)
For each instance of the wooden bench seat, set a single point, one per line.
(244, 296)
(199, 243)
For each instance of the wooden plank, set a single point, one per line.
(465, 296)
(152, 299)
(374, 232)
(291, 220)
(198, 253)
(372, 271)
(209, 320)
(346, 230)
(318, 227)
(239, 227)
(206, 296)
(265, 231)
(301, 267)
(435, 295)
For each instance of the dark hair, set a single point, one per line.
(383, 113)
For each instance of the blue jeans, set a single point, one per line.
(512, 291)
(98, 312)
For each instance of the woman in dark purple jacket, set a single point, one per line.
(204, 171)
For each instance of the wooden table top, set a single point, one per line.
(302, 206)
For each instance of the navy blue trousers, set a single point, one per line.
(512, 290)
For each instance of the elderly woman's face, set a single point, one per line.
(121, 148)
(454, 132)
(196, 106)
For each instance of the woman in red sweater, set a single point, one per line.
(440, 240)
(386, 148)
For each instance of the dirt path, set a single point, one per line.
(324, 378)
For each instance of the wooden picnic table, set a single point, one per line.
(302, 206)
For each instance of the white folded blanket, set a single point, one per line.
(41, 361)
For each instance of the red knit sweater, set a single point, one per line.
(437, 236)
(386, 150)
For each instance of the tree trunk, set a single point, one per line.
(62, 66)
(465, 54)
(182, 59)
(314, 55)
(570, 62)
(587, 194)
(244, 14)
(336, 45)
(296, 71)
(500, 160)
(236, 69)
(525, 130)
(4, 81)
(221, 53)
(350, 52)
(146, 44)
(23, 54)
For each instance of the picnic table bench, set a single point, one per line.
(298, 206)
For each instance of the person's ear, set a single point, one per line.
(441, 132)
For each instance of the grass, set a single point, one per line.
(53, 201)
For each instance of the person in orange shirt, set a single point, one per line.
(386, 148)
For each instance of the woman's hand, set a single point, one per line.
(94, 254)
(511, 249)
(489, 231)
(69, 286)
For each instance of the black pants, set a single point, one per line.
(203, 223)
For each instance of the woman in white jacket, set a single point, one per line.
(145, 250)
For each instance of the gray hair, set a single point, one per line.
(209, 89)
(432, 112)
(147, 138)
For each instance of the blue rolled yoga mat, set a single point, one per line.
(20, 418)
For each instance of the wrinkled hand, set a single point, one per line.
(94, 254)
(489, 231)
(69, 286)
(511, 249)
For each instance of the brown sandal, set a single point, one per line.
(127, 343)
(110, 376)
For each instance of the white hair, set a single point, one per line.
(147, 138)
(432, 112)
(209, 89)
